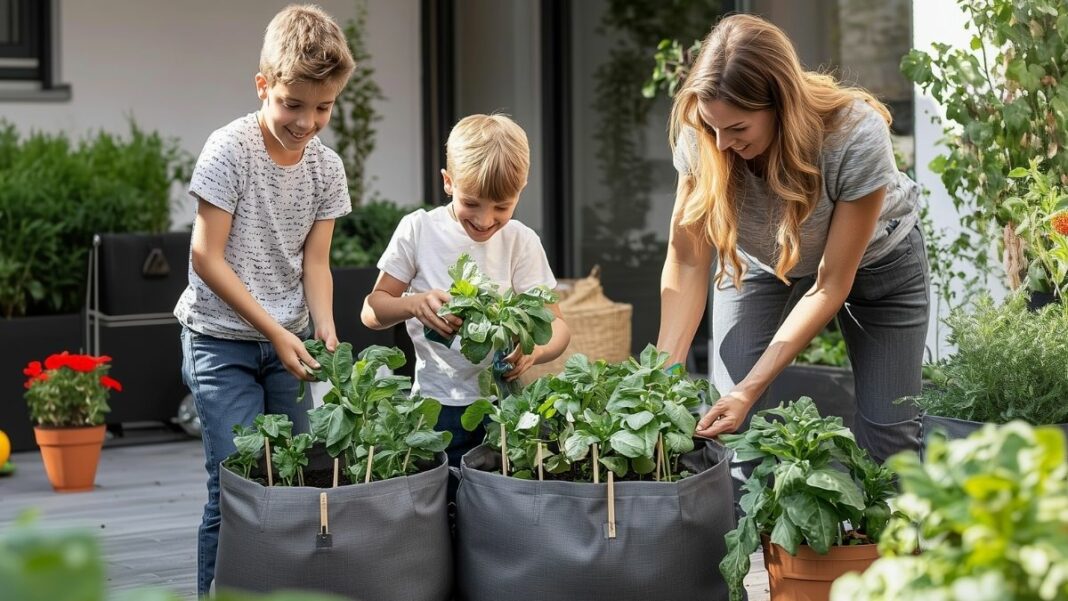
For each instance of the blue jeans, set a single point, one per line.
(232, 382)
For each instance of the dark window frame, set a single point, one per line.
(34, 25)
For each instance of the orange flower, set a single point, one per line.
(112, 383)
(1060, 223)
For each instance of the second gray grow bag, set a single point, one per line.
(955, 428)
(528, 540)
(388, 540)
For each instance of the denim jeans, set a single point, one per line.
(232, 382)
(884, 322)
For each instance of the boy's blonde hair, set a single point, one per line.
(488, 157)
(304, 44)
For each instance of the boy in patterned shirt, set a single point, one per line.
(267, 193)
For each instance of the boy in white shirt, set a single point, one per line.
(487, 160)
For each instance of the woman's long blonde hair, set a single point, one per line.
(751, 64)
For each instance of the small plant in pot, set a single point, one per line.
(1010, 363)
(980, 519)
(68, 399)
(816, 502)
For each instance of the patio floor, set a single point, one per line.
(146, 509)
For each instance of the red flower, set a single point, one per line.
(56, 361)
(1060, 223)
(112, 383)
(32, 369)
(82, 363)
(41, 377)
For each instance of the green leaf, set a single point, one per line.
(627, 443)
(528, 421)
(429, 440)
(680, 417)
(616, 464)
(643, 465)
(815, 518)
(834, 481)
(638, 420)
(786, 534)
(475, 413)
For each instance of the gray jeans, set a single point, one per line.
(884, 322)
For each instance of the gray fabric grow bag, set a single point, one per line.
(389, 539)
(527, 540)
(957, 428)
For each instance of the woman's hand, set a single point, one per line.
(520, 362)
(725, 417)
(425, 309)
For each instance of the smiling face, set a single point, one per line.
(481, 218)
(749, 134)
(292, 114)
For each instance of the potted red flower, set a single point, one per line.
(68, 398)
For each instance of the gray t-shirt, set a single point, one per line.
(856, 160)
(273, 208)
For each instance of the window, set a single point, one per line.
(26, 41)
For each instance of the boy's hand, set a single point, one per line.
(426, 305)
(328, 336)
(520, 362)
(293, 355)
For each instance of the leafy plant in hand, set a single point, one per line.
(813, 486)
(628, 409)
(494, 323)
(364, 410)
(983, 518)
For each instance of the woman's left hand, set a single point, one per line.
(520, 362)
(725, 417)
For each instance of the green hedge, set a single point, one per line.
(56, 193)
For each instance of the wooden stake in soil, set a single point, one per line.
(335, 471)
(663, 458)
(659, 454)
(541, 474)
(611, 504)
(596, 468)
(504, 451)
(408, 455)
(267, 450)
(370, 460)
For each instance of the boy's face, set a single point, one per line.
(481, 218)
(294, 113)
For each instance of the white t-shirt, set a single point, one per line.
(421, 251)
(273, 208)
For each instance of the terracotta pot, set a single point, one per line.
(808, 575)
(70, 456)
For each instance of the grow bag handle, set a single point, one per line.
(323, 538)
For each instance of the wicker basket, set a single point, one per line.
(600, 328)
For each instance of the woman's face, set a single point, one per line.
(746, 133)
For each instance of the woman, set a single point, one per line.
(788, 186)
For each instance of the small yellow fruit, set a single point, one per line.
(5, 448)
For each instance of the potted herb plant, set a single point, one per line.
(983, 518)
(351, 506)
(1011, 363)
(590, 481)
(68, 399)
(816, 502)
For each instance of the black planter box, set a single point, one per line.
(142, 273)
(351, 286)
(831, 388)
(25, 339)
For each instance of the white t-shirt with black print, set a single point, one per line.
(273, 208)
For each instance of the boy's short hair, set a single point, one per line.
(303, 43)
(488, 156)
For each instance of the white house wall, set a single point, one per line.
(185, 68)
